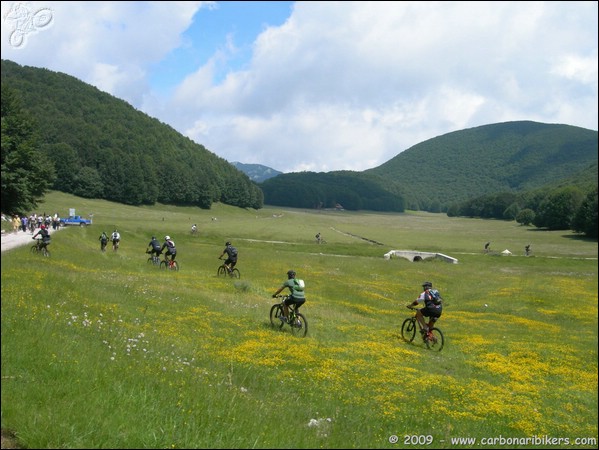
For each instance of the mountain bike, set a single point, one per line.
(169, 264)
(115, 244)
(154, 258)
(433, 339)
(39, 247)
(224, 270)
(297, 321)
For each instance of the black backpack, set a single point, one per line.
(232, 251)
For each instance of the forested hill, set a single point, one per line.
(511, 157)
(503, 157)
(102, 147)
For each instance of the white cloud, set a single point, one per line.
(340, 85)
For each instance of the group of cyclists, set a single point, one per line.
(432, 308)
(156, 248)
(115, 237)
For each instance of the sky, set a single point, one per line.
(315, 85)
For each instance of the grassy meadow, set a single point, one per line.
(103, 350)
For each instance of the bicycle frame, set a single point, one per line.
(225, 269)
(40, 247)
(296, 320)
(169, 264)
(433, 339)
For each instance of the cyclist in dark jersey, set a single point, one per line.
(45, 234)
(231, 256)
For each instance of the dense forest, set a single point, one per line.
(101, 147)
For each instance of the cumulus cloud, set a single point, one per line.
(339, 85)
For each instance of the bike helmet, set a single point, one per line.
(291, 273)
(227, 243)
(153, 237)
(167, 238)
(427, 284)
(43, 227)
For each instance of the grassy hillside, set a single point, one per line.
(102, 350)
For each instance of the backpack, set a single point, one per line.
(170, 244)
(299, 285)
(232, 251)
(435, 296)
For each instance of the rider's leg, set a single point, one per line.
(286, 309)
(421, 320)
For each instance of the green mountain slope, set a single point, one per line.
(510, 157)
(506, 157)
(103, 148)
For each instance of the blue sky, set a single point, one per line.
(214, 29)
(321, 86)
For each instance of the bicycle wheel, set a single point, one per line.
(235, 273)
(299, 326)
(34, 249)
(45, 252)
(150, 260)
(408, 329)
(222, 271)
(164, 265)
(437, 341)
(275, 312)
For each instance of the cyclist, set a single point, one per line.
(432, 307)
(194, 229)
(115, 237)
(154, 247)
(297, 297)
(103, 241)
(231, 256)
(45, 234)
(171, 250)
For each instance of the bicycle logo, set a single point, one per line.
(25, 21)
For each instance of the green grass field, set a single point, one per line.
(103, 350)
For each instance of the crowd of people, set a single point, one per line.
(34, 221)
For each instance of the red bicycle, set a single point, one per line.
(169, 264)
(433, 339)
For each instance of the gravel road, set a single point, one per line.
(11, 240)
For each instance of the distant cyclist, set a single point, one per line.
(154, 247)
(115, 237)
(231, 256)
(45, 234)
(171, 249)
(103, 241)
(194, 229)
